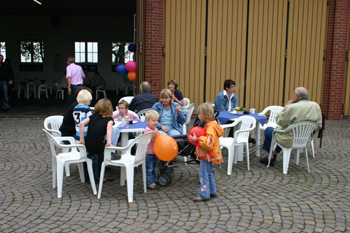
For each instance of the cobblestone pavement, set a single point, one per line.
(260, 200)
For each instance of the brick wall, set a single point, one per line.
(154, 64)
(336, 64)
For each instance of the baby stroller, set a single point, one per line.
(186, 149)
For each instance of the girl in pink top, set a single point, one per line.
(152, 161)
(123, 107)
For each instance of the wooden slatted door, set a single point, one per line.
(226, 43)
(306, 45)
(266, 53)
(269, 47)
(185, 46)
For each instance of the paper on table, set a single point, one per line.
(234, 112)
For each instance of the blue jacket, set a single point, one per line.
(178, 120)
(221, 102)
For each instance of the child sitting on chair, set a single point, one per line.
(99, 134)
(82, 111)
(123, 108)
(208, 151)
(152, 117)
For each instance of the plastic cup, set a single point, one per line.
(143, 118)
(252, 110)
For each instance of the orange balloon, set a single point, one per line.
(165, 147)
(132, 76)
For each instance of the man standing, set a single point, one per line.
(300, 108)
(144, 100)
(75, 79)
(6, 78)
(227, 99)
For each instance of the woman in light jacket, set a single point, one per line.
(172, 115)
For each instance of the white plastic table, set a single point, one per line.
(229, 116)
(136, 127)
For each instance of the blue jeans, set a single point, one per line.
(267, 141)
(151, 167)
(71, 97)
(207, 179)
(171, 133)
(115, 136)
(97, 160)
(4, 94)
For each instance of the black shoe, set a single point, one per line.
(213, 195)
(265, 160)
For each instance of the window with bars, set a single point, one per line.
(32, 51)
(86, 52)
(121, 53)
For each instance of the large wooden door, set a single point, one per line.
(226, 54)
(185, 46)
(266, 53)
(306, 46)
(269, 47)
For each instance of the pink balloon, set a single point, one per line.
(130, 66)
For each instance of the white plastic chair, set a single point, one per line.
(189, 110)
(59, 91)
(43, 88)
(241, 136)
(50, 85)
(31, 87)
(118, 87)
(21, 86)
(302, 132)
(128, 87)
(143, 112)
(76, 155)
(274, 110)
(186, 102)
(101, 89)
(127, 163)
(52, 124)
(127, 99)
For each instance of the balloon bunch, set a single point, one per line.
(128, 69)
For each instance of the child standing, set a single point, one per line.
(208, 152)
(99, 134)
(152, 117)
(123, 108)
(82, 111)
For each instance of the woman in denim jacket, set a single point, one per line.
(172, 115)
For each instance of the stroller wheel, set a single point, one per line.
(164, 179)
(169, 171)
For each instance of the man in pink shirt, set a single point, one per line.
(75, 76)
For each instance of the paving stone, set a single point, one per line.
(260, 200)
